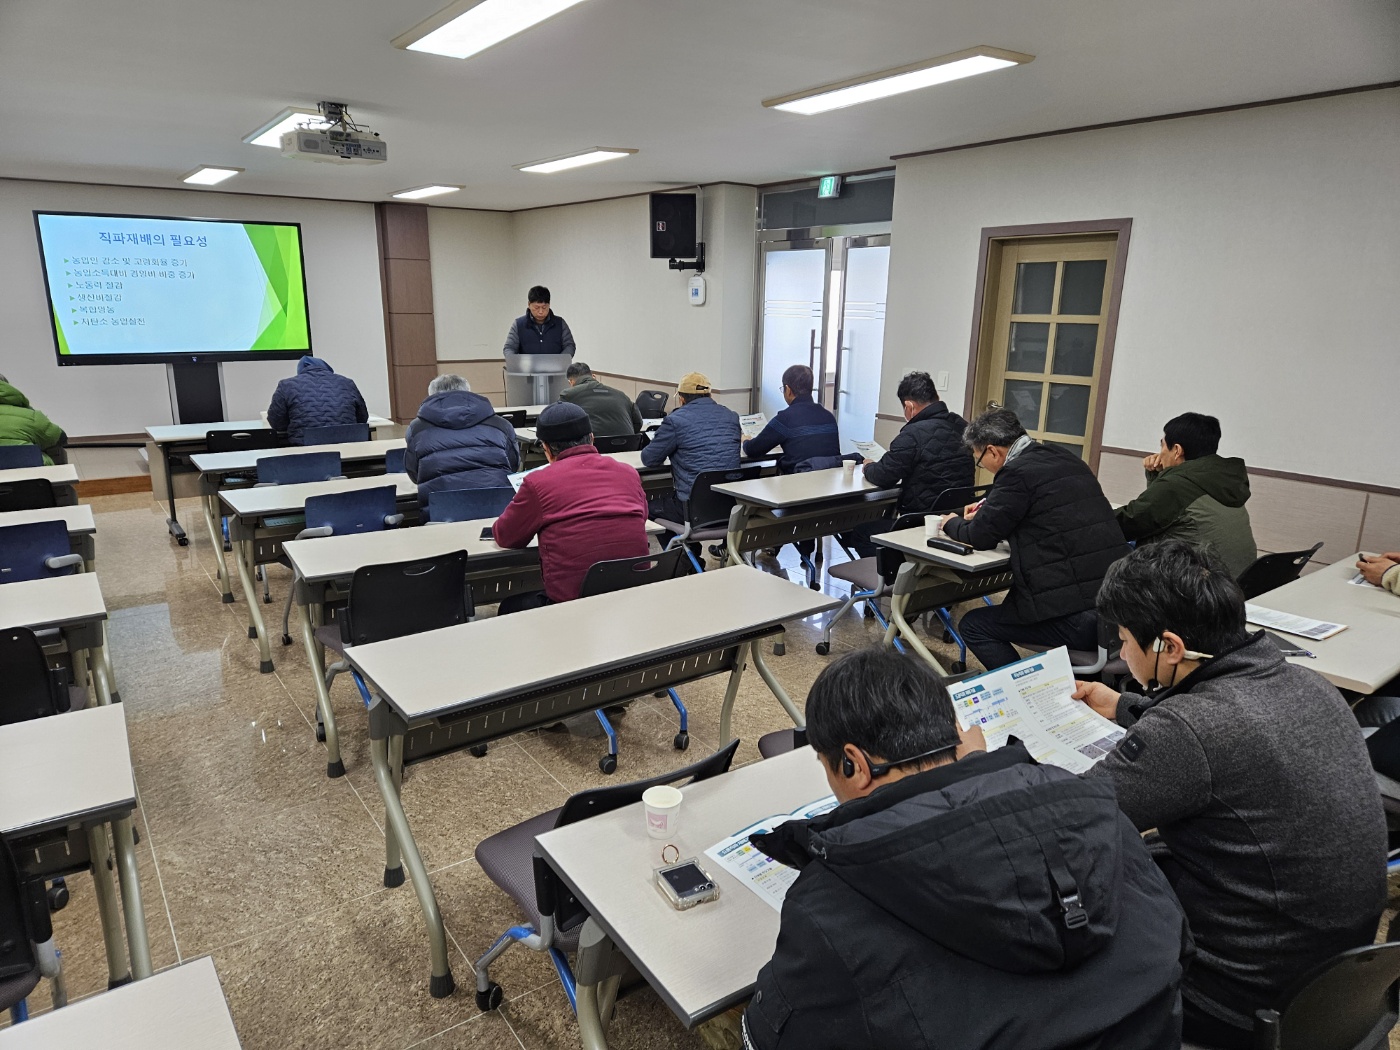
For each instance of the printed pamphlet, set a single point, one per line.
(755, 869)
(752, 425)
(1317, 630)
(869, 449)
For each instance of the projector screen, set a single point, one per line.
(133, 289)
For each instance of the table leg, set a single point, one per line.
(80, 669)
(905, 583)
(777, 690)
(335, 767)
(173, 522)
(595, 978)
(441, 984)
(101, 682)
(738, 522)
(216, 537)
(104, 655)
(731, 691)
(393, 855)
(100, 852)
(135, 914)
(256, 628)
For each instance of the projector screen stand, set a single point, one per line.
(196, 396)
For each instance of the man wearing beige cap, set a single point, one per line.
(700, 435)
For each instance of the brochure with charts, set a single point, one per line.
(519, 476)
(752, 425)
(1317, 630)
(1033, 701)
(869, 449)
(755, 869)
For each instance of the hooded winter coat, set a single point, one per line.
(22, 425)
(989, 904)
(314, 397)
(458, 442)
(1200, 501)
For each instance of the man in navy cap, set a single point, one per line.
(585, 508)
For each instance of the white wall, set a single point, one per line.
(475, 292)
(1262, 282)
(343, 289)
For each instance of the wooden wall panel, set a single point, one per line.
(406, 271)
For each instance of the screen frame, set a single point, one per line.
(177, 358)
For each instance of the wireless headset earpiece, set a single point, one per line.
(848, 768)
(1158, 646)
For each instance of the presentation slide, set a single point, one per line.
(124, 286)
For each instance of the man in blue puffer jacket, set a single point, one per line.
(314, 397)
(458, 441)
(698, 436)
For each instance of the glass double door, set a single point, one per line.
(824, 307)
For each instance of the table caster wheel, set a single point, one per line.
(823, 648)
(57, 895)
(320, 733)
(608, 764)
(681, 741)
(489, 999)
(479, 751)
(183, 541)
(957, 667)
(947, 636)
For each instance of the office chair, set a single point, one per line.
(239, 441)
(24, 927)
(1086, 663)
(343, 514)
(707, 511)
(652, 403)
(1274, 570)
(394, 460)
(36, 550)
(619, 574)
(297, 469)
(552, 913)
(515, 418)
(446, 505)
(12, 456)
(620, 443)
(31, 494)
(341, 433)
(33, 689)
(392, 600)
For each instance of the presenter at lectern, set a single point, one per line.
(539, 330)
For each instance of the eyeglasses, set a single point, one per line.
(979, 458)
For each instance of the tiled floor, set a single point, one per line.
(250, 854)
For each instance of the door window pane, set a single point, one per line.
(1035, 288)
(1081, 290)
(1068, 411)
(1026, 352)
(1068, 446)
(1023, 398)
(1074, 349)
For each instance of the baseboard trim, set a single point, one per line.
(113, 486)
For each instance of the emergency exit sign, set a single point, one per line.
(830, 186)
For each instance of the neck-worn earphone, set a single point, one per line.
(879, 769)
(1159, 646)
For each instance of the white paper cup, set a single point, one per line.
(849, 469)
(933, 526)
(663, 810)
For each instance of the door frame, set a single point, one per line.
(989, 261)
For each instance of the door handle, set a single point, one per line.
(993, 405)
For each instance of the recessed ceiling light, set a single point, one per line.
(424, 191)
(592, 155)
(205, 175)
(464, 28)
(889, 82)
(270, 134)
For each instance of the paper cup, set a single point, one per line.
(663, 810)
(849, 469)
(933, 526)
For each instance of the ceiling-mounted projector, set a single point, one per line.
(343, 140)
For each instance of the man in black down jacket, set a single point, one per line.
(926, 458)
(1063, 535)
(314, 397)
(458, 441)
(959, 900)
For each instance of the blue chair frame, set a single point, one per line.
(12, 456)
(36, 550)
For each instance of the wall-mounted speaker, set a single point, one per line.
(673, 226)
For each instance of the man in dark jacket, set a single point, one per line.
(611, 412)
(1254, 773)
(959, 899)
(699, 435)
(805, 429)
(1194, 495)
(926, 458)
(458, 441)
(1048, 505)
(314, 397)
(539, 330)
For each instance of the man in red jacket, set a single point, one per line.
(585, 508)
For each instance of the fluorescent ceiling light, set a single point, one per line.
(592, 155)
(205, 175)
(889, 82)
(424, 191)
(464, 28)
(270, 134)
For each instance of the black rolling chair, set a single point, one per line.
(33, 689)
(620, 443)
(1274, 570)
(552, 913)
(239, 441)
(707, 511)
(31, 494)
(24, 925)
(339, 434)
(12, 456)
(617, 575)
(652, 403)
(515, 417)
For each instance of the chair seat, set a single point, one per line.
(507, 858)
(670, 526)
(706, 535)
(329, 636)
(13, 989)
(862, 574)
(1077, 657)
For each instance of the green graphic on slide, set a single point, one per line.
(283, 320)
(58, 328)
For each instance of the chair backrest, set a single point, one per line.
(24, 549)
(394, 460)
(620, 442)
(515, 418)
(955, 499)
(20, 456)
(297, 469)
(335, 435)
(1274, 570)
(709, 508)
(359, 510)
(406, 597)
(1347, 1003)
(17, 956)
(240, 440)
(652, 403)
(468, 504)
(887, 559)
(619, 574)
(32, 688)
(32, 494)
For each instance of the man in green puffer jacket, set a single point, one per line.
(22, 425)
(1193, 494)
